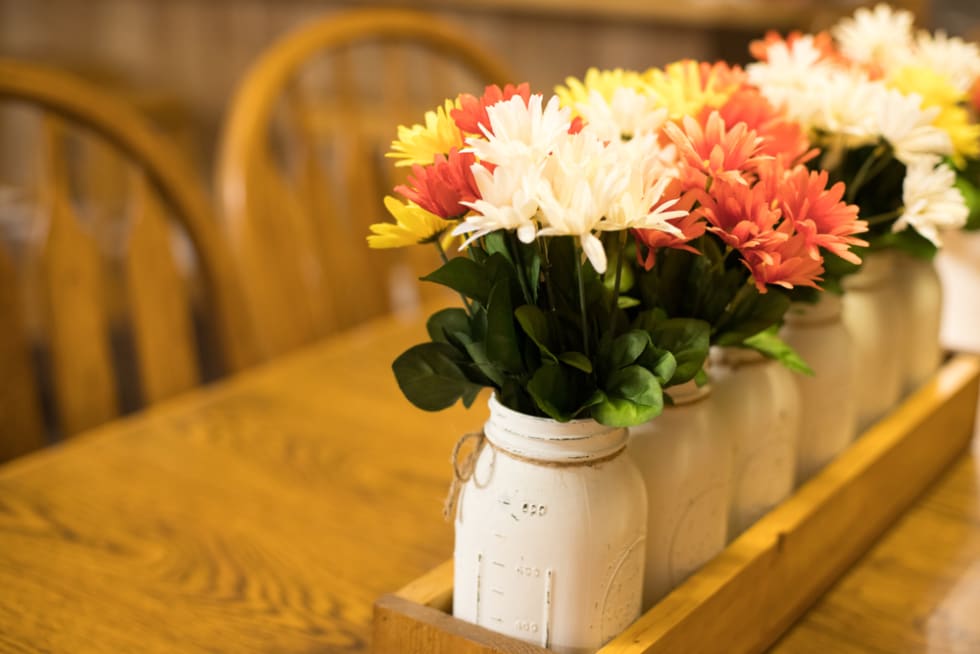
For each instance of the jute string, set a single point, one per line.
(464, 466)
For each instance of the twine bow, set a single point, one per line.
(463, 468)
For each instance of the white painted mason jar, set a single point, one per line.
(875, 318)
(686, 465)
(550, 533)
(828, 405)
(922, 294)
(755, 398)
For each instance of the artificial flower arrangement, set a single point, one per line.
(759, 221)
(539, 198)
(889, 110)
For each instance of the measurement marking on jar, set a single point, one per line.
(496, 618)
(498, 591)
(479, 570)
(504, 501)
(534, 509)
(516, 519)
(546, 632)
(498, 564)
(498, 535)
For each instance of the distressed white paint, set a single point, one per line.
(562, 545)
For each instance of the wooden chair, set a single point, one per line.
(69, 347)
(301, 172)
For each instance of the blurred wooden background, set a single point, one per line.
(182, 59)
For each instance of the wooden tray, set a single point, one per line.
(753, 591)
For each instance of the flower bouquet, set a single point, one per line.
(888, 108)
(538, 200)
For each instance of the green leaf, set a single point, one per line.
(701, 378)
(558, 391)
(971, 196)
(576, 360)
(626, 302)
(430, 376)
(463, 276)
(665, 368)
(535, 324)
(769, 344)
(478, 353)
(531, 259)
(496, 242)
(908, 241)
(758, 313)
(627, 348)
(442, 324)
(688, 340)
(502, 346)
(632, 396)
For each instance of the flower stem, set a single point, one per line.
(581, 299)
(620, 249)
(871, 167)
(515, 249)
(743, 293)
(884, 217)
(445, 260)
(542, 243)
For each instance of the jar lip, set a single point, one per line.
(687, 393)
(827, 308)
(732, 355)
(544, 439)
(875, 269)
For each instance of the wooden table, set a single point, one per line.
(265, 514)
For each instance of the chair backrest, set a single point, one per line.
(301, 172)
(70, 344)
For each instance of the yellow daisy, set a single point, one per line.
(937, 91)
(413, 226)
(604, 81)
(686, 87)
(418, 144)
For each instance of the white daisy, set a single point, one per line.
(841, 103)
(641, 204)
(932, 203)
(875, 35)
(629, 113)
(907, 126)
(578, 186)
(787, 72)
(521, 133)
(951, 57)
(507, 201)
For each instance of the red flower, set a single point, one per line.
(691, 226)
(780, 136)
(785, 264)
(819, 213)
(472, 113)
(743, 217)
(714, 151)
(440, 187)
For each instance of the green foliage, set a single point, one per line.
(714, 288)
(525, 336)
(768, 343)
(968, 184)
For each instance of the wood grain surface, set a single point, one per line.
(267, 513)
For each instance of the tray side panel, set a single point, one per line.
(402, 626)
